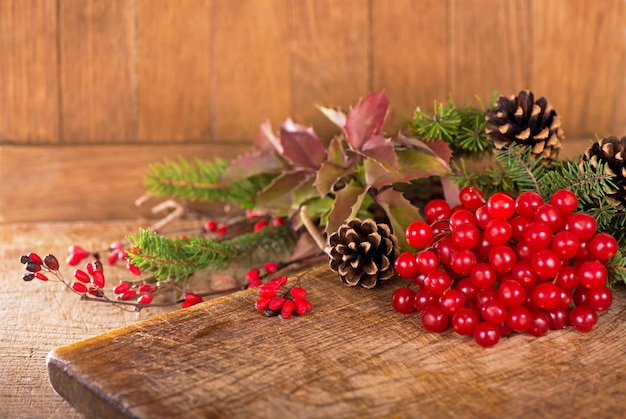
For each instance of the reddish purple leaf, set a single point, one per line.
(335, 116)
(266, 140)
(301, 145)
(250, 164)
(277, 196)
(380, 149)
(366, 119)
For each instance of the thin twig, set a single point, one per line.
(313, 231)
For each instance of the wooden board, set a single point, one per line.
(352, 356)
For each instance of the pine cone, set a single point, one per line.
(610, 151)
(521, 120)
(363, 252)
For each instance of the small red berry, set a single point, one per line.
(276, 303)
(34, 257)
(402, 300)
(147, 288)
(145, 298)
(278, 222)
(121, 288)
(270, 267)
(128, 294)
(266, 292)
(79, 287)
(133, 269)
(41, 276)
(259, 225)
(287, 309)
(222, 229)
(280, 279)
(300, 307)
(437, 209)
(210, 226)
(298, 293)
(260, 304)
(253, 275)
(471, 197)
(254, 283)
(193, 298)
(98, 279)
(419, 234)
(82, 276)
(501, 205)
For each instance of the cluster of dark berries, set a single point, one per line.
(492, 267)
(34, 265)
(292, 301)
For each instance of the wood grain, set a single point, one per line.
(36, 317)
(489, 48)
(579, 58)
(98, 182)
(29, 85)
(173, 70)
(409, 60)
(98, 71)
(352, 356)
(331, 58)
(250, 67)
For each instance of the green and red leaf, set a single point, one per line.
(346, 205)
(251, 164)
(412, 164)
(266, 140)
(400, 212)
(336, 117)
(366, 119)
(278, 195)
(381, 149)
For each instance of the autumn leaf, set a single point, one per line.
(346, 205)
(266, 141)
(400, 212)
(366, 119)
(301, 145)
(277, 196)
(251, 164)
(335, 116)
(411, 165)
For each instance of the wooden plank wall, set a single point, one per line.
(91, 91)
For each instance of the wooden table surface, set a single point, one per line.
(37, 317)
(390, 365)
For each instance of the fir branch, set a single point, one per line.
(522, 168)
(199, 181)
(442, 124)
(616, 267)
(177, 259)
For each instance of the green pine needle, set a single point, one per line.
(177, 259)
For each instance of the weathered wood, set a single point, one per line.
(353, 356)
(408, 62)
(173, 70)
(98, 182)
(331, 58)
(29, 85)
(36, 317)
(98, 71)
(579, 58)
(250, 67)
(489, 48)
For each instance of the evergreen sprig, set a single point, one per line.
(177, 258)
(617, 269)
(199, 181)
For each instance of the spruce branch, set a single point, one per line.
(616, 267)
(199, 181)
(177, 259)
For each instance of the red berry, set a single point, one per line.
(406, 266)
(498, 231)
(565, 200)
(444, 249)
(280, 280)
(464, 321)
(522, 273)
(451, 301)
(276, 303)
(467, 288)
(436, 282)
(423, 299)
(261, 304)
(34, 257)
(210, 226)
(518, 319)
(278, 222)
(147, 288)
(426, 261)
(128, 294)
(434, 319)
(558, 318)
(582, 225)
(550, 215)
(287, 309)
(41, 276)
(301, 307)
(545, 263)
(501, 205)
(583, 318)
(270, 267)
(537, 235)
(599, 299)
(567, 278)
(266, 292)
(471, 197)
(540, 323)
(121, 288)
(253, 275)
(460, 217)
(546, 295)
(437, 209)
(603, 246)
(518, 225)
(462, 261)
(222, 229)
(502, 258)
(592, 274)
(565, 244)
(254, 283)
(298, 293)
(419, 234)
(465, 236)
(494, 311)
(527, 203)
(145, 298)
(79, 287)
(98, 279)
(259, 225)
(402, 300)
(487, 334)
(82, 276)
(511, 293)
(193, 298)
(133, 269)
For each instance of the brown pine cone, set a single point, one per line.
(610, 150)
(363, 252)
(520, 120)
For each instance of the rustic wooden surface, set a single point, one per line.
(352, 356)
(36, 317)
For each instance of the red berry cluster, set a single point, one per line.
(254, 277)
(292, 301)
(34, 264)
(490, 268)
(127, 291)
(92, 281)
